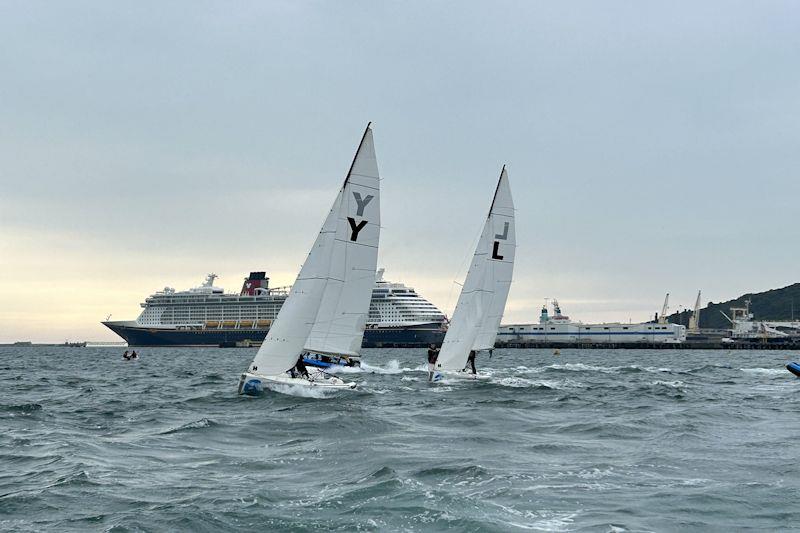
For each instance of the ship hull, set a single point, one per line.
(380, 337)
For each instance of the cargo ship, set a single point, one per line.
(208, 316)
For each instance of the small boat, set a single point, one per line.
(327, 308)
(794, 368)
(480, 306)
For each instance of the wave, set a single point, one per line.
(582, 367)
(302, 391)
(519, 383)
(671, 384)
(392, 367)
(197, 424)
(467, 471)
(22, 408)
(766, 371)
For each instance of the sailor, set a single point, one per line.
(433, 355)
(471, 361)
(126, 356)
(301, 368)
(134, 355)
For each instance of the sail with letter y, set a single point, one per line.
(327, 307)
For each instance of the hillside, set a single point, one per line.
(775, 304)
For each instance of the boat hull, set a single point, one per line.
(416, 336)
(794, 368)
(449, 374)
(254, 384)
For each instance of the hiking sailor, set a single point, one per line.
(433, 355)
(471, 361)
(300, 368)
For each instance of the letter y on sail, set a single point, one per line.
(326, 309)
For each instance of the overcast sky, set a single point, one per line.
(651, 148)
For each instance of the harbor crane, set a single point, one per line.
(694, 320)
(662, 319)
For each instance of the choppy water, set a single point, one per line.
(584, 441)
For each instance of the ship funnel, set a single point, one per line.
(254, 282)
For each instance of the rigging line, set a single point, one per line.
(466, 258)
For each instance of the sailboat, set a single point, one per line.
(482, 301)
(327, 307)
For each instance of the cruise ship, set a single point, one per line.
(208, 316)
(559, 329)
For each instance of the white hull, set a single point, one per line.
(254, 383)
(449, 374)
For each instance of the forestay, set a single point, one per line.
(483, 297)
(343, 255)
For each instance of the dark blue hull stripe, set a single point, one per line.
(375, 337)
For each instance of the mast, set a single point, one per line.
(355, 156)
(497, 188)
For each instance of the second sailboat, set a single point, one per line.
(482, 301)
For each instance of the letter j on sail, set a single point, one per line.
(504, 236)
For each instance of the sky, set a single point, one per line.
(651, 148)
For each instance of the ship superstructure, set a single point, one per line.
(208, 306)
(394, 304)
(207, 316)
(744, 328)
(559, 329)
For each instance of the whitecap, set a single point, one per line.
(672, 384)
(302, 391)
(517, 382)
(767, 371)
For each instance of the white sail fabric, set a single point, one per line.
(296, 319)
(499, 271)
(483, 296)
(342, 316)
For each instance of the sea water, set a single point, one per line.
(597, 440)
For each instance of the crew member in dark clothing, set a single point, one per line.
(301, 368)
(433, 355)
(126, 356)
(471, 361)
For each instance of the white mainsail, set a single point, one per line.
(342, 316)
(483, 297)
(499, 269)
(329, 289)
